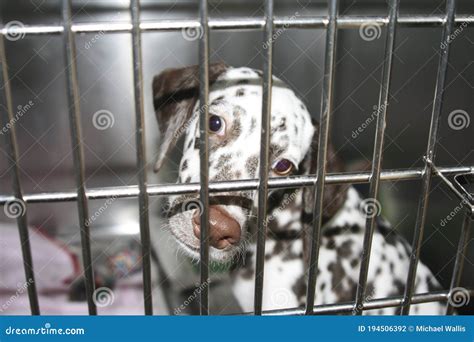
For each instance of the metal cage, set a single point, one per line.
(332, 22)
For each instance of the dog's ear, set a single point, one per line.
(334, 195)
(175, 92)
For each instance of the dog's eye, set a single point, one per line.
(216, 124)
(283, 167)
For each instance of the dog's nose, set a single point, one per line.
(223, 229)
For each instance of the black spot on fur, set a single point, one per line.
(345, 249)
(253, 125)
(399, 286)
(299, 288)
(331, 244)
(355, 228)
(251, 165)
(332, 231)
(240, 92)
(242, 82)
(184, 166)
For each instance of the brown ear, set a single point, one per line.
(175, 92)
(334, 195)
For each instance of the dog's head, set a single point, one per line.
(235, 110)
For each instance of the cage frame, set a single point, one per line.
(142, 191)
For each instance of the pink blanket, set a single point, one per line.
(55, 268)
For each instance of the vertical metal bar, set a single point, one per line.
(204, 153)
(377, 154)
(326, 111)
(459, 263)
(264, 151)
(430, 154)
(77, 153)
(19, 202)
(141, 155)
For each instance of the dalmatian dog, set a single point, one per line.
(235, 106)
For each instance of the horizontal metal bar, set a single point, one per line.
(251, 184)
(331, 309)
(343, 22)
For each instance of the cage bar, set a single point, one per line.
(141, 156)
(224, 186)
(264, 151)
(326, 112)
(243, 23)
(331, 309)
(430, 156)
(18, 200)
(459, 263)
(377, 154)
(204, 154)
(77, 152)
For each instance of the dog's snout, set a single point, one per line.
(223, 229)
